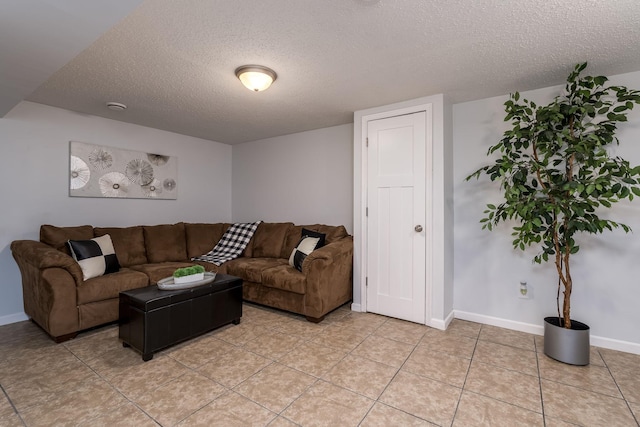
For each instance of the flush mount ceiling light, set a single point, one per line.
(256, 77)
(116, 106)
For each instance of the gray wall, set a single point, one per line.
(34, 177)
(304, 178)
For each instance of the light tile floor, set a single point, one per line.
(277, 369)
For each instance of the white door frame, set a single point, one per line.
(437, 281)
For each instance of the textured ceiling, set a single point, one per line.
(37, 37)
(172, 62)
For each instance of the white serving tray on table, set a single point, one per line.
(167, 283)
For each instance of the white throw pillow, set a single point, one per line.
(96, 256)
(300, 252)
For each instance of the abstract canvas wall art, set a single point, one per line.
(99, 171)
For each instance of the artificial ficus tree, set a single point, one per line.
(557, 172)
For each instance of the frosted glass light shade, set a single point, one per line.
(256, 77)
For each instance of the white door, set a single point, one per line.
(396, 221)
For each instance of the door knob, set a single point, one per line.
(418, 228)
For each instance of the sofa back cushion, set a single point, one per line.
(57, 236)
(128, 243)
(268, 240)
(201, 238)
(165, 242)
(332, 233)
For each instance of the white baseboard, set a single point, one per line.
(449, 319)
(13, 318)
(497, 321)
(356, 307)
(611, 344)
(441, 324)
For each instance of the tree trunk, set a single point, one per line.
(568, 283)
(564, 276)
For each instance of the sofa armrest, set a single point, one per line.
(329, 277)
(49, 282)
(41, 256)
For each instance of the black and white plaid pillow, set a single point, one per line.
(96, 256)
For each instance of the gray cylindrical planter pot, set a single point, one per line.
(566, 345)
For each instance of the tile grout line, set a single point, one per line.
(377, 400)
(115, 388)
(464, 383)
(633, 415)
(195, 371)
(318, 379)
(415, 346)
(168, 355)
(270, 328)
(15, 410)
(507, 369)
(544, 417)
(273, 361)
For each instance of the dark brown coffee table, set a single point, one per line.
(152, 319)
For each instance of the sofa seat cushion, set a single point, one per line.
(250, 269)
(160, 270)
(128, 243)
(209, 266)
(98, 313)
(286, 278)
(105, 287)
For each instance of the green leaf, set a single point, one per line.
(624, 193)
(600, 80)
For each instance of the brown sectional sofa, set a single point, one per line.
(58, 299)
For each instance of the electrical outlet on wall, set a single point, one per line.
(524, 291)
